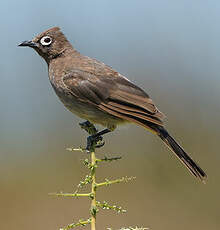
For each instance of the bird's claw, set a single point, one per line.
(94, 142)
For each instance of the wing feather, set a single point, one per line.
(115, 95)
(132, 114)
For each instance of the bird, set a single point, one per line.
(99, 94)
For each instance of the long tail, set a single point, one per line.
(131, 112)
(191, 165)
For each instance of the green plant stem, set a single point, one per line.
(80, 223)
(108, 182)
(93, 203)
(71, 194)
(92, 165)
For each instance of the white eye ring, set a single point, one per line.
(46, 41)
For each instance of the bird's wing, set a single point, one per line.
(113, 94)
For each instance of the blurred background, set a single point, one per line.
(170, 49)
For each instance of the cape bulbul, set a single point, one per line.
(97, 93)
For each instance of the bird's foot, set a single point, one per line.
(94, 142)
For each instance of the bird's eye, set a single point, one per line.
(46, 41)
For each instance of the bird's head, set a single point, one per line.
(49, 44)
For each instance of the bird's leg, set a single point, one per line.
(92, 141)
(88, 127)
(95, 139)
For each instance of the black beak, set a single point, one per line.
(29, 44)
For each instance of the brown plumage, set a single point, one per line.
(99, 94)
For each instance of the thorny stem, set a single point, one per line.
(79, 223)
(93, 209)
(108, 182)
(90, 128)
(91, 178)
(108, 159)
(71, 194)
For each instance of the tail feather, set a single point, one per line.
(191, 165)
(153, 123)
